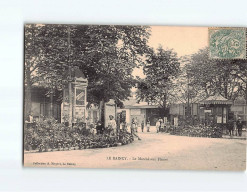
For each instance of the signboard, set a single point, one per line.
(219, 119)
(80, 97)
(207, 111)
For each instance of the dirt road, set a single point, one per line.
(154, 151)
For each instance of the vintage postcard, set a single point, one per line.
(135, 97)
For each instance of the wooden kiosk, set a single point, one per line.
(215, 110)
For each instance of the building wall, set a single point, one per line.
(139, 114)
(179, 109)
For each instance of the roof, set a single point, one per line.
(77, 73)
(216, 99)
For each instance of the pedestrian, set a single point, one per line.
(133, 129)
(148, 125)
(133, 125)
(161, 121)
(157, 126)
(92, 129)
(112, 125)
(142, 125)
(239, 126)
(235, 127)
(99, 128)
(136, 126)
(162, 126)
(230, 126)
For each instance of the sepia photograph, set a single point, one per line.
(134, 97)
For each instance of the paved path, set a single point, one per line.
(154, 151)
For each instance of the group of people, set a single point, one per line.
(236, 126)
(160, 125)
(134, 125)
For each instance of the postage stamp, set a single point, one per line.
(227, 43)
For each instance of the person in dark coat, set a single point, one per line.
(230, 126)
(239, 126)
(99, 128)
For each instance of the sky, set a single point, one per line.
(183, 40)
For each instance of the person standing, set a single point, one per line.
(157, 125)
(133, 129)
(148, 125)
(239, 126)
(142, 125)
(99, 128)
(230, 127)
(112, 125)
(133, 126)
(162, 126)
(136, 124)
(235, 127)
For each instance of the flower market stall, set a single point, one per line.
(215, 110)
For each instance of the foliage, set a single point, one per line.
(228, 78)
(213, 131)
(106, 55)
(49, 135)
(161, 68)
(183, 89)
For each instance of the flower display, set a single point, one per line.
(198, 131)
(49, 135)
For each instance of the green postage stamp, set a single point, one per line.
(227, 43)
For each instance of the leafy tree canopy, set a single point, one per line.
(106, 55)
(161, 68)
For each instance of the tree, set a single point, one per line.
(45, 59)
(161, 68)
(239, 73)
(111, 53)
(183, 90)
(106, 55)
(214, 76)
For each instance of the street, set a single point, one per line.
(154, 151)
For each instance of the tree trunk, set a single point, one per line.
(70, 104)
(28, 95)
(163, 114)
(51, 101)
(102, 112)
